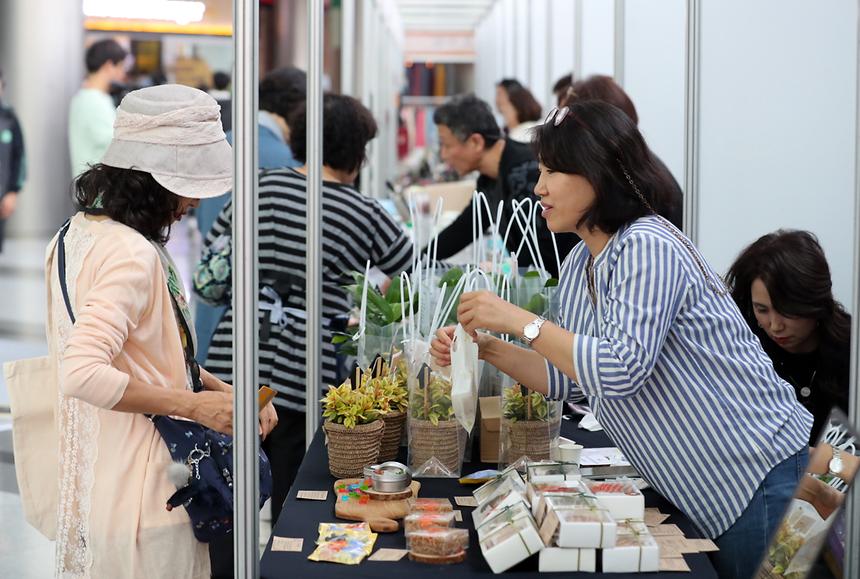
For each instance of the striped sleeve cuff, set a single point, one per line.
(557, 383)
(586, 364)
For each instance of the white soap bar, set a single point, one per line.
(495, 505)
(621, 498)
(632, 553)
(586, 529)
(556, 559)
(511, 544)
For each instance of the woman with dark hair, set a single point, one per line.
(519, 109)
(782, 286)
(603, 88)
(356, 229)
(649, 335)
(129, 351)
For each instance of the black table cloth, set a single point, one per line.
(299, 519)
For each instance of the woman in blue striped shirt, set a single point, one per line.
(649, 335)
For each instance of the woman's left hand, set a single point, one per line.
(268, 420)
(484, 310)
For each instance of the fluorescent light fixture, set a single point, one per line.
(178, 11)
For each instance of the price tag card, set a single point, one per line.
(654, 517)
(703, 545)
(287, 544)
(388, 555)
(458, 516)
(662, 530)
(674, 564)
(312, 495)
(466, 501)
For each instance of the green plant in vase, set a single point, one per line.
(350, 406)
(521, 404)
(433, 401)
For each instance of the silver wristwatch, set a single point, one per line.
(532, 330)
(834, 467)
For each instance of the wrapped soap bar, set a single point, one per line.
(585, 528)
(635, 550)
(504, 517)
(509, 479)
(539, 472)
(496, 504)
(620, 497)
(438, 542)
(419, 521)
(422, 505)
(557, 502)
(510, 544)
(558, 487)
(556, 559)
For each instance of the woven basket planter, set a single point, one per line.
(427, 440)
(391, 435)
(351, 449)
(531, 438)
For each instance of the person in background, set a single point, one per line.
(221, 93)
(13, 163)
(782, 286)
(92, 110)
(470, 140)
(559, 89)
(281, 93)
(649, 335)
(518, 108)
(356, 229)
(604, 88)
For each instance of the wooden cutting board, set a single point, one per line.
(381, 515)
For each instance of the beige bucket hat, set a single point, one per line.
(174, 133)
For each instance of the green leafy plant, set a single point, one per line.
(520, 405)
(382, 310)
(387, 387)
(433, 401)
(350, 406)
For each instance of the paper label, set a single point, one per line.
(458, 516)
(703, 545)
(674, 564)
(287, 544)
(388, 555)
(654, 517)
(312, 495)
(666, 530)
(674, 546)
(466, 501)
(548, 527)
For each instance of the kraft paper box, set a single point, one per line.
(510, 544)
(635, 550)
(556, 559)
(620, 497)
(491, 424)
(509, 476)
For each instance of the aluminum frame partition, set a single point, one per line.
(313, 299)
(691, 121)
(246, 491)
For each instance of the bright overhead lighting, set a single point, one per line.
(178, 11)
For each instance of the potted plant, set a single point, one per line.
(353, 429)
(433, 429)
(529, 424)
(387, 387)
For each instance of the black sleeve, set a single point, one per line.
(17, 173)
(458, 236)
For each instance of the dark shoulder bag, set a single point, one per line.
(207, 495)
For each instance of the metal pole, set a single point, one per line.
(577, 40)
(246, 492)
(314, 216)
(347, 47)
(852, 507)
(691, 121)
(619, 42)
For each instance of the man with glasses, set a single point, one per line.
(470, 140)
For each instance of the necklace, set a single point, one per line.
(804, 391)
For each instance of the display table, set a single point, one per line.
(299, 519)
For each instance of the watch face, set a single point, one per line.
(530, 332)
(835, 465)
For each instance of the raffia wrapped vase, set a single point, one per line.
(531, 438)
(351, 449)
(442, 441)
(391, 435)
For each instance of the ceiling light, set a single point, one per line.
(178, 11)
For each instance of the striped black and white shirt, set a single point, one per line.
(674, 374)
(355, 229)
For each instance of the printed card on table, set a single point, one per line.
(312, 495)
(466, 501)
(287, 544)
(388, 555)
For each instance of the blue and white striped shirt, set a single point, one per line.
(674, 374)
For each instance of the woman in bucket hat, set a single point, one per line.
(127, 353)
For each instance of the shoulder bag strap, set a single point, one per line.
(61, 268)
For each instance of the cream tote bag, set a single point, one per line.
(33, 395)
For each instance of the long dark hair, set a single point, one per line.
(793, 268)
(522, 99)
(131, 197)
(600, 87)
(598, 141)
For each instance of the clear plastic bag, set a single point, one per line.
(530, 424)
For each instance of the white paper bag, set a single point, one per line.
(465, 377)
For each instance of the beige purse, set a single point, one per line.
(32, 385)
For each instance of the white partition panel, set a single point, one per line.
(540, 44)
(598, 37)
(509, 28)
(562, 47)
(523, 30)
(654, 75)
(777, 126)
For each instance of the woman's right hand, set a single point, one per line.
(440, 347)
(213, 410)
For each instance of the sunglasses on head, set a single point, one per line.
(557, 115)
